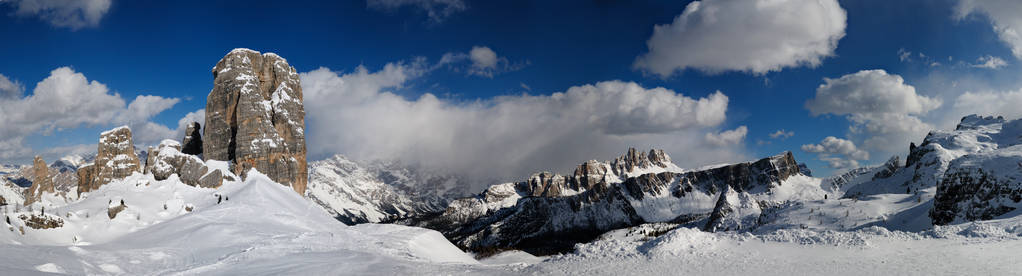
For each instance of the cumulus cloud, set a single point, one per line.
(1003, 103)
(882, 108)
(67, 99)
(728, 137)
(10, 89)
(1005, 16)
(781, 134)
(479, 61)
(71, 14)
(437, 10)
(837, 153)
(753, 36)
(194, 116)
(869, 91)
(990, 62)
(508, 136)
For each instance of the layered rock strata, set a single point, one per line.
(115, 159)
(255, 118)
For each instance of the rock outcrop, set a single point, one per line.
(167, 159)
(549, 213)
(192, 142)
(986, 183)
(41, 183)
(733, 212)
(255, 118)
(115, 159)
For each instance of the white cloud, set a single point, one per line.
(525, 86)
(10, 89)
(754, 36)
(198, 116)
(481, 61)
(729, 137)
(869, 91)
(904, 55)
(507, 136)
(67, 100)
(882, 108)
(990, 62)
(483, 58)
(145, 107)
(71, 14)
(781, 134)
(1005, 16)
(834, 145)
(1005, 103)
(839, 163)
(437, 10)
(838, 153)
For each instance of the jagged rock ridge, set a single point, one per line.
(255, 117)
(550, 213)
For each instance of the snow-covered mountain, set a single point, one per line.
(551, 213)
(360, 192)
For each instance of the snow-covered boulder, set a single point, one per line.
(167, 160)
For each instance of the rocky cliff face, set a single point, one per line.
(550, 213)
(42, 183)
(115, 159)
(985, 183)
(733, 211)
(255, 117)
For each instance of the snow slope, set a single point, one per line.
(261, 228)
(872, 251)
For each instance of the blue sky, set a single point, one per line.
(166, 49)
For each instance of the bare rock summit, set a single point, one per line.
(115, 159)
(255, 118)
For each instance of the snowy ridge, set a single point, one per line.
(369, 192)
(544, 219)
(258, 227)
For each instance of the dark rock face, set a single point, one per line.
(550, 213)
(969, 194)
(192, 142)
(115, 159)
(42, 183)
(255, 117)
(802, 167)
(87, 178)
(889, 168)
(986, 181)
